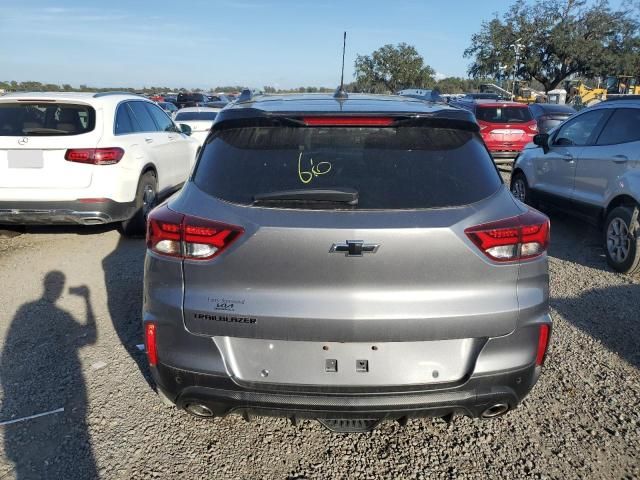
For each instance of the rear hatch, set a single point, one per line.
(348, 234)
(503, 125)
(34, 137)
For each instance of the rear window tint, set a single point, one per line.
(391, 168)
(186, 116)
(45, 119)
(503, 114)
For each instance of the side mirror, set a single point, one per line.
(184, 128)
(542, 140)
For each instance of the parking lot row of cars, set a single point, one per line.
(301, 211)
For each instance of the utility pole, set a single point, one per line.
(516, 46)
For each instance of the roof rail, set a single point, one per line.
(248, 94)
(106, 94)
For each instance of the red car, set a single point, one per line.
(506, 127)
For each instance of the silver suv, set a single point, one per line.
(347, 260)
(590, 167)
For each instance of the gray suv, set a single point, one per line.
(346, 260)
(590, 167)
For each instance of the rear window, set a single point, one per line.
(186, 116)
(503, 114)
(45, 119)
(390, 168)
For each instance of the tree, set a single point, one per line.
(558, 38)
(392, 68)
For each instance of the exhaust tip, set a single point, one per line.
(199, 410)
(495, 410)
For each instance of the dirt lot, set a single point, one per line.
(76, 349)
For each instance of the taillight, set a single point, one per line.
(533, 127)
(348, 121)
(150, 343)
(517, 238)
(95, 156)
(176, 235)
(543, 343)
(482, 126)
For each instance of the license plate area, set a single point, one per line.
(347, 364)
(25, 159)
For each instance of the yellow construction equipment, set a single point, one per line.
(580, 95)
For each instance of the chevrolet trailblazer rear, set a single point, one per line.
(347, 260)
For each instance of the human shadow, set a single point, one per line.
(610, 314)
(123, 274)
(40, 372)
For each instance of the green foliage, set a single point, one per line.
(559, 38)
(392, 68)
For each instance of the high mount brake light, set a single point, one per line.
(173, 234)
(517, 238)
(322, 121)
(94, 156)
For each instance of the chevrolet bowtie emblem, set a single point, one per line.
(354, 248)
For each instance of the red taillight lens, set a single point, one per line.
(516, 238)
(348, 121)
(177, 235)
(543, 343)
(150, 343)
(533, 127)
(95, 156)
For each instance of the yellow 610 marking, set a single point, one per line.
(315, 170)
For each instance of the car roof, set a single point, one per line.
(619, 103)
(326, 104)
(92, 98)
(493, 103)
(553, 107)
(198, 109)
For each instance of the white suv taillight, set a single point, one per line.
(174, 234)
(94, 156)
(517, 238)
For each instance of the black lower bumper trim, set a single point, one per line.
(222, 396)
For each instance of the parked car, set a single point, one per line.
(348, 261)
(589, 166)
(191, 100)
(549, 115)
(168, 107)
(199, 119)
(422, 94)
(88, 158)
(506, 127)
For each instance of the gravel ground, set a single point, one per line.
(77, 350)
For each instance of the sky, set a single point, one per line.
(208, 43)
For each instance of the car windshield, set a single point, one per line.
(503, 114)
(390, 168)
(45, 119)
(186, 116)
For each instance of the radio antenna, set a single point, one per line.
(340, 93)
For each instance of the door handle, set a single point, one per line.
(148, 140)
(620, 158)
(567, 158)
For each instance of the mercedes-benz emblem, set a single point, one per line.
(23, 141)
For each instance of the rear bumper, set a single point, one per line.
(224, 396)
(64, 212)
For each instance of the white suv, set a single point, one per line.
(88, 158)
